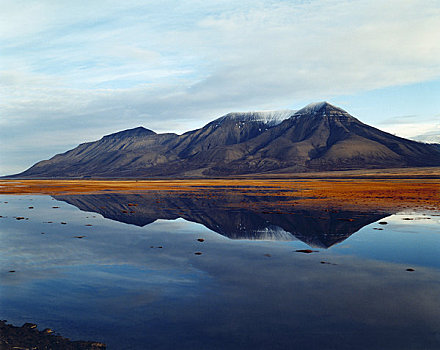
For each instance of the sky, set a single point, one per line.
(73, 71)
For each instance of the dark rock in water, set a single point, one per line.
(383, 223)
(19, 218)
(55, 207)
(29, 337)
(268, 255)
(200, 239)
(31, 207)
(306, 251)
(198, 253)
(410, 270)
(29, 325)
(407, 219)
(11, 271)
(79, 237)
(63, 223)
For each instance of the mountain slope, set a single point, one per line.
(319, 137)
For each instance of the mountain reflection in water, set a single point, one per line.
(253, 218)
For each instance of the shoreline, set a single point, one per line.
(28, 336)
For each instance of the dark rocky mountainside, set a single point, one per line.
(319, 137)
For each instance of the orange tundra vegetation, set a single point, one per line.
(383, 194)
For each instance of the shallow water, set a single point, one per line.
(249, 289)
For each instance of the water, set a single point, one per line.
(249, 289)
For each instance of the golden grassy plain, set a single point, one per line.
(370, 194)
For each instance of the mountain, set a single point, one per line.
(318, 137)
(316, 227)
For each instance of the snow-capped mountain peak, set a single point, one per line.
(318, 107)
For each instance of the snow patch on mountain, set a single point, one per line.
(273, 233)
(269, 118)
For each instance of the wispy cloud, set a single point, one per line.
(83, 69)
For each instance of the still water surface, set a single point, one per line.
(94, 268)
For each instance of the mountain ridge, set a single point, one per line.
(318, 137)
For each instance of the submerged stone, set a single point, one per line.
(306, 251)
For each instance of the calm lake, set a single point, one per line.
(163, 271)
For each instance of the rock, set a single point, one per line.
(29, 325)
(383, 223)
(200, 239)
(55, 207)
(80, 237)
(28, 337)
(410, 270)
(198, 253)
(19, 218)
(63, 223)
(11, 271)
(97, 345)
(268, 255)
(306, 251)
(31, 207)
(377, 228)
(88, 225)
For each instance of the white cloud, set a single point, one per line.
(413, 130)
(110, 65)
